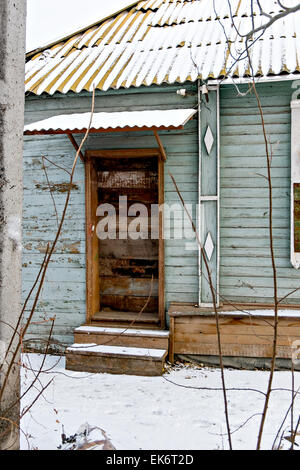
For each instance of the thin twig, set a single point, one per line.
(50, 250)
(214, 306)
(16, 329)
(50, 190)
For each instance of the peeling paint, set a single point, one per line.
(58, 187)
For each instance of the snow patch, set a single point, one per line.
(119, 331)
(117, 350)
(167, 412)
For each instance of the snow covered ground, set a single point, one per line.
(150, 412)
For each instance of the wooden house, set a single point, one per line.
(170, 99)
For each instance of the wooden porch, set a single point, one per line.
(246, 330)
(118, 351)
(124, 331)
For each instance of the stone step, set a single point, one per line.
(115, 359)
(131, 337)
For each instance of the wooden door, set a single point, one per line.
(128, 273)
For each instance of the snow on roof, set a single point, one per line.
(165, 41)
(162, 119)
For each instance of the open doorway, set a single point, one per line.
(125, 256)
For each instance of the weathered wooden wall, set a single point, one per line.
(241, 334)
(64, 292)
(246, 273)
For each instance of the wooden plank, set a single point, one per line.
(124, 153)
(145, 221)
(251, 232)
(255, 181)
(114, 365)
(147, 333)
(195, 315)
(205, 338)
(209, 224)
(116, 316)
(264, 272)
(160, 145)
(142, 268)
(143, 196)
(129, 303)
(137, 287)
(161, 247)
(133, 341)
(92, 242)
(127, 179)
(171, 340)
(240, 350)
(129, 249)
(133, 199)
(146, 164)
(239, 327)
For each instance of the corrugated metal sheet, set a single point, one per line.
(166, 41)
(166, 119)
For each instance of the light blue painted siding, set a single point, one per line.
(63, 295)
(209, 188)
(246, 274)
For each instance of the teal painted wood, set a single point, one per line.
(63, 295)
(246, 274)
(209, 209)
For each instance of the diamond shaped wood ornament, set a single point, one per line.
(209, 246)
(208, 139)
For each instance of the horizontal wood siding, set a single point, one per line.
(63, 295)
(245, 336)
(246, 272)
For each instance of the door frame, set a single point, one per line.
(92, 245)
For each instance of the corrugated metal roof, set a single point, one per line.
(166, 41)
(159, 119)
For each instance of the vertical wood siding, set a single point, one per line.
(246, 274)
(208, 187)
(63, 295)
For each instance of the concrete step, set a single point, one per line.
(115, 359)
(131, 337)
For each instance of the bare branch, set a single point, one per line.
(214, 305)
(55, 164)
(50, 251)
(50, 190)
(272, 20)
